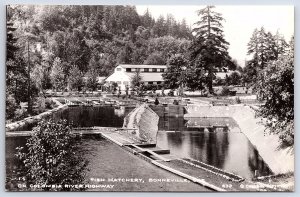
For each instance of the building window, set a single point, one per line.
(159, 82)
(119, 69)
(154, 70)
(150, 82)
(128, 69)
(146, 69)
(118, 82)
(162, 70)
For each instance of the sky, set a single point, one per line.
(239, 24)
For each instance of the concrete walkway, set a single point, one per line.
(216, 180)
(196, 172)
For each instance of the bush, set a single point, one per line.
(11, 107)
(225, 91)
(238, 100)
(175, 102)
(52, 158)
(156, 102)
(171, 93)
(20, 114)
(40, 105)
(50, 104)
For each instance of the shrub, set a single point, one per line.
(20, 114)
(52, 158)
(225, 91)
(40, 105)
(49, 103)
(156, 102)
(11, 106)
(175, 102)
(171, 93)
(238, 100)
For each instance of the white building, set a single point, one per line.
(150, 74)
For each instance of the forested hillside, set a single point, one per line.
(97, 37)
(55, 46)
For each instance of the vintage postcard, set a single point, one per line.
(149, 98)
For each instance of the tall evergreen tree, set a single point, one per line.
(263, 47)
(12, 72)
(209, 50)
(57, 74)
(75, 78)
(147, 20)
(281, 46)
(160, 28)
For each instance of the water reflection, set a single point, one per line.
(194, 124)
(104, 116)
(215, 141)
(255, 160)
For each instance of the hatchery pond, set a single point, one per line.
(215, 141)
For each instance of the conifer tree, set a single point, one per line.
(57, 74)
(209, 50)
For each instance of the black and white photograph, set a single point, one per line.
(149, 98)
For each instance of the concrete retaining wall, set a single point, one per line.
(28, 122)
(169, 110)
(211, 111)
(144, 121)
(279, 160)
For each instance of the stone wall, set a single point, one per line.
(279, 160)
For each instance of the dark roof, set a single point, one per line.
(142, 66)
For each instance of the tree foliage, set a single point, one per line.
(155, 58)
(100, 35)
(40, 76)
(275, 85)
(52, 158)
(209, 49)
(262, 47)
(91, 79)
(75, 81)
(57, 75)
(16, 75)
(234, 78)
(175, 74)
(136, 79)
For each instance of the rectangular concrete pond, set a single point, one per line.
(109, 164)
(215, 141)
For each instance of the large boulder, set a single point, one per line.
(142, 123)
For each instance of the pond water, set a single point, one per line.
(226, 148)
(106, 160)
(215, 141)
(104, 116)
